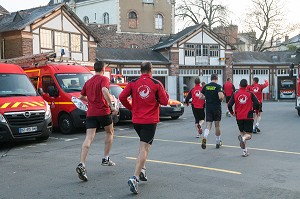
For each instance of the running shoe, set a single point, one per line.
(257, 129)
(133, 184)
(245, 153)
(203, 144)
(143, 176)
(108, 162)
(242, 142)
(81, 172)
(197, 135)
(199, 129)
(254, 130)
(219, 145)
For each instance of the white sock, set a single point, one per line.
(257, 124)
(206, 133)
(106, 157)
(82, 164)
(218, 138)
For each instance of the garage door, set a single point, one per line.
(238, 75)
(262, 74)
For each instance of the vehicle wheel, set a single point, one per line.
(65, 124)
(174, 117)
(42, 138)
(299, 112)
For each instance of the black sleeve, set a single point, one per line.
(231, 103)
(255, 102)
(233, 88)
(188, 97)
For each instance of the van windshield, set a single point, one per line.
(115, 90)
(72, 82)
(16, 85)
(288, 84)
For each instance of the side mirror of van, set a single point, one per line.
(53, 92)
(40, 91)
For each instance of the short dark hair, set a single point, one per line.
(146, 67)
(98, 66)
(213, 77)
(256, 79)
(243, 83)
(228, 79)
(197, 80)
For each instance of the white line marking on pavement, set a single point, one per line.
(228, 146)
(68, 140)
(190, 165)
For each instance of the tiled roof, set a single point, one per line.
(265, 58)
(130, 56)
(19, 20)
(167, 42)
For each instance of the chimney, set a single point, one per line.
(286, 38)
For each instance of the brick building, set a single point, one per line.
(46, 29)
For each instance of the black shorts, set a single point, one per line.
(146, 132)
(245, 125)
(228, 99)
(199, 114)
(260, 107)
(97, 121)
(213, 115)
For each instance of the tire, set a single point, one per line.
(43, 138)
(174, 117)
(298, 112)
(65, 124)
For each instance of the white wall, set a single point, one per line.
(198, 39)
(36, 44)
(55, 23)
(89, 9)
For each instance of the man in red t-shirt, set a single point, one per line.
(95, 92)
(228, 89)
(244, 102)
(257, 89)
(197, 106)
(147, 94)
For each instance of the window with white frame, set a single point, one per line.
(212, 71)
(75, 43)
(285, 71)
(46, 39)
(188, 72)
(61, 41)
(205, 50)
(241, 71)
(260, 72)
(106, 18)
(158, 22)
(214, 50)
(148, 1)
(189, 50)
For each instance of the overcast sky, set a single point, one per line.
(238, 7)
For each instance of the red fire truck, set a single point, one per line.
(24, 113)
(298, 92)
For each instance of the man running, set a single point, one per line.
(95, 92)
(257, 89)
(147, 94)
(197, 106)
(229, 89)
(213, 93)
(244, 102)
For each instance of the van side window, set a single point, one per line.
(46, 82)
(34, 81)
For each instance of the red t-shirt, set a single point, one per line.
(147, 94)
(257, 89)
(97, 105)
(195, 94)
(228, 89)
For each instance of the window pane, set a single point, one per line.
(75, 43)
(158, 22)
(46, 38)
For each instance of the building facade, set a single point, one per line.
(46, 29)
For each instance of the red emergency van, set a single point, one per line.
(61, 84)
(24, 113)
(298, 93)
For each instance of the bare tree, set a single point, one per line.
(266, 18)
(196, 11)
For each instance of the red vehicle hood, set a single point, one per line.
(26, 103)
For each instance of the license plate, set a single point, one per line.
(177, 109)
(28, 129)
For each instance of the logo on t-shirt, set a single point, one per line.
(243, 99)
(144, 91)
(198, 93)
(255, 89)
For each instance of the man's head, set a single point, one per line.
(229, 79)
(99, 66)
(214, 77)
(243, 83)
(197, 80)
(255, 79)
(146, 67)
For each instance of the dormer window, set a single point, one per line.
(57, 1)
(106, 18)
(148, 1)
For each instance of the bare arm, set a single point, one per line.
(221, 96)
(106, 95)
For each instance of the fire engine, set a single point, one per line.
(24, 113)
(60, 84)
(298, 92)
